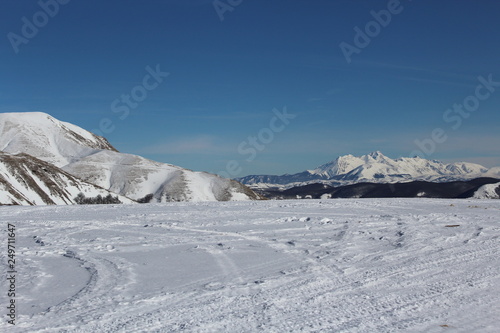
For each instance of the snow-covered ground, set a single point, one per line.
(365, 265)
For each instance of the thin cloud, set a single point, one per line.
(420, 74)
(204, 145)
(442, 82)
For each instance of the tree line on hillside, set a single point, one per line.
(81, 199)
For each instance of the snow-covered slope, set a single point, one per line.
(374, 167)
(92, 159)
(489, 191)
(41, 135)
(137, 177)
(343, 266)
(25, 180)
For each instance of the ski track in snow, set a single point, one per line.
(349, 265)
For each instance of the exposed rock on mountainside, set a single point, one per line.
(26, 180)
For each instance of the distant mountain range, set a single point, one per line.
(373, 168)
(47, 161)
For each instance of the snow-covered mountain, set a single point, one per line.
(26, 180)
(41, 135)
(91, 159)
(488, 191)
(374, 167)
(137, 177)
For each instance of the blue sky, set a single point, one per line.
(225, 78)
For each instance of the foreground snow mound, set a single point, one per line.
(25, 180)
(489, 191)
(146, 180)
(375, 168)
(344, 266)
(42, 136)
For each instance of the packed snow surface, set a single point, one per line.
(354, 265)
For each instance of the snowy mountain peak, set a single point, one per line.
(41, 135)
(376, 166)
(376, 155)
(345, 164)
(340, 165)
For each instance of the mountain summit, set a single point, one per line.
(43, 136)
(374, 167)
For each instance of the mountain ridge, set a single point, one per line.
(373, 167)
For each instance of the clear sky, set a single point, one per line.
(342, 76)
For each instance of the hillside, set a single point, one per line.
(137, 177)
(26, 180)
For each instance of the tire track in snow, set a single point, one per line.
(86, 305)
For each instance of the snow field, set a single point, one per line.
(354, 265)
